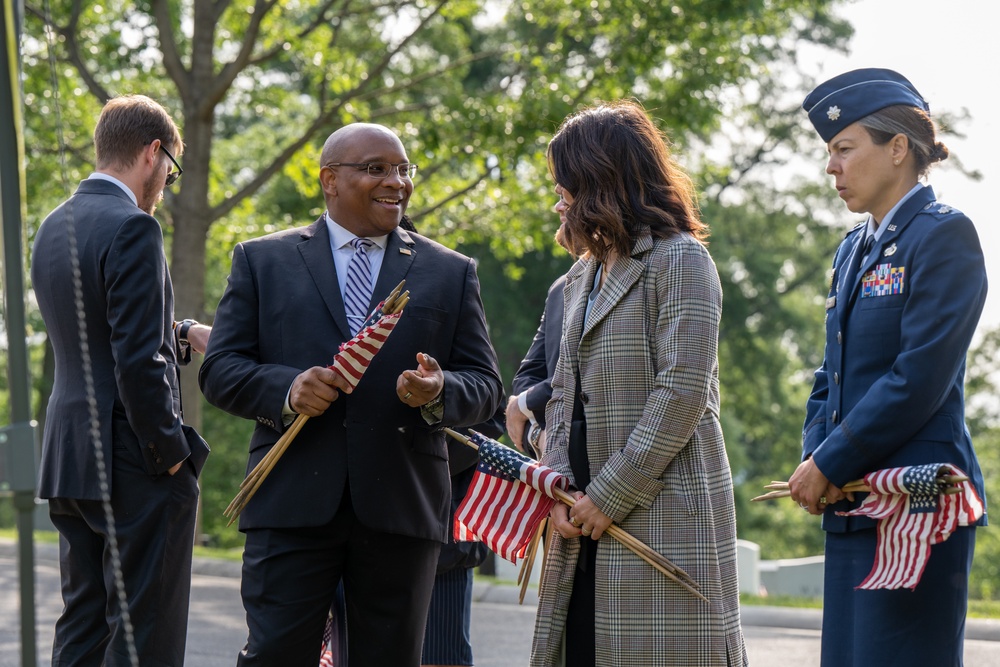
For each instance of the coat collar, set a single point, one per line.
(900, 221)
(316, 253)
(624, 274)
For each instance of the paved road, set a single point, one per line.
(501, 628)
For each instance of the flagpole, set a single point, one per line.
(658, 561)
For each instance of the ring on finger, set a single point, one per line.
(822, 500)
(585, 532)
(407, 395)
(574, 521)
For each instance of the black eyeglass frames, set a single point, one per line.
(380, 169)
(174, 175)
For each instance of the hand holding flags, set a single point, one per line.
(503, 506)
(350, 362)
(913, 514)
(915, 507)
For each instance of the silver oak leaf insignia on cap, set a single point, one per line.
(833, 113)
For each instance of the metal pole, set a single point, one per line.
(17, 440)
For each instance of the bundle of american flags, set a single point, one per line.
(350, 362)
(509, 496)
(913, 513)
(353, 357)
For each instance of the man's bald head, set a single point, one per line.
(340, 145)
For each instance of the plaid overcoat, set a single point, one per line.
(647, 362)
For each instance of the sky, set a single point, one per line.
(950, 51)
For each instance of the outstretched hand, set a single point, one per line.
(422, 385)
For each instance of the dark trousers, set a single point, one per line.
(290, 577)
(922, 627)
(154, 524)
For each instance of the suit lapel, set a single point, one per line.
(399, 255)
(318, 258)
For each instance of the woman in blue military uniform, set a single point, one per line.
(907, 291)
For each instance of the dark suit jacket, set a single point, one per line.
(890, 390)
(282, 313)
(128, 306)
(535, 372)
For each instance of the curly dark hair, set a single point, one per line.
(618, 168)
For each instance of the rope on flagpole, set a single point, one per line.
(636, 546)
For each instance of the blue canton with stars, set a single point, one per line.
(500, 461)
(921, 482)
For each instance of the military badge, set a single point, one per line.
(883, 280)
(890, 251)
(833, 113)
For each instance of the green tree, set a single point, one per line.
(475, 88)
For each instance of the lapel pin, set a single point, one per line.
(405, 251)
(890, 251)
(892, 228)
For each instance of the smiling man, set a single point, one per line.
(363, 493)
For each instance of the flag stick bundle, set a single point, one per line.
(350, 362)
(524, 576)
(652, 557)
(948, 485)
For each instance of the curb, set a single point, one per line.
(981, 629)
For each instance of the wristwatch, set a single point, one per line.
(435, 403)
(534, 433)
(181, 330)
(183, 327)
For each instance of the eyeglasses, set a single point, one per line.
(174, 175)
(380, 170)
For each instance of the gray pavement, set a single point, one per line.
(501, 629)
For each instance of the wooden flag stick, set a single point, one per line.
(780, 489)
(637, 547)
(524, 576)
(392, 304)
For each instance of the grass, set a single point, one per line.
(977, 608)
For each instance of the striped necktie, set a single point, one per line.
(358, 292)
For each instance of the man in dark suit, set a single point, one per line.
(113, 433)
(532, 385)
(363, 492)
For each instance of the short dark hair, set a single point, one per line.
(913, 122)
(617, 166)
(126, 124)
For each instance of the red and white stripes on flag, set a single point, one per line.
(912, 514)
(352, 360)
(509, 495)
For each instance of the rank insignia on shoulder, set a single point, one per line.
(890, 251)
(945, 209)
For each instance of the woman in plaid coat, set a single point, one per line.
(634, 416)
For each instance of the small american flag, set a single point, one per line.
(326, 653)
(510, 494)
(912, 515)
(352, 360)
